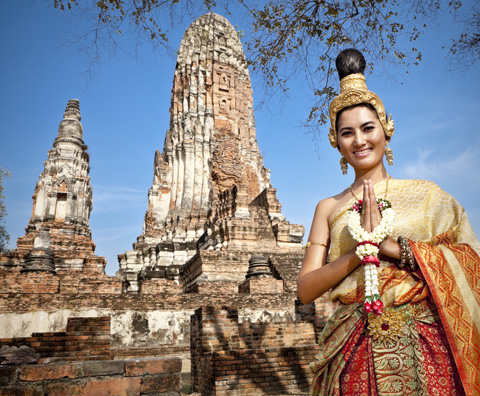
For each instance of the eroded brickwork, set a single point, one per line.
(159, 376)
(84, 339)
(232, 357)
(210, 188)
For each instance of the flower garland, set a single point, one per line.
(368, 248)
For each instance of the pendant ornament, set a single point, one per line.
(388, 328)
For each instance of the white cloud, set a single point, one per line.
(443, 165)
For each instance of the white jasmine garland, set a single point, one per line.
(368, 246)
(366, 250)
(380, 232)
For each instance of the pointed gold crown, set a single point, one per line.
(354, 91)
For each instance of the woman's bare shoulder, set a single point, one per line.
(327, 207)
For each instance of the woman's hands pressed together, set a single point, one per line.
(371, 216)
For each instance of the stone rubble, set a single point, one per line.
(12, 355)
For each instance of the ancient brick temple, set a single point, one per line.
(212, 278)
(210, 188)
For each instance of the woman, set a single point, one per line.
(403, 261)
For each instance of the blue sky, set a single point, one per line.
(125, 114)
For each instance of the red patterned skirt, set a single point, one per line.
(403, 352)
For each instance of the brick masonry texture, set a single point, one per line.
(84, 339)
(264, 358)
(151, 376)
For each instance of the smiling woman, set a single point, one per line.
(361, 139)
(392, 258)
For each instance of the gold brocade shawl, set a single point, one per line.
(447, 251)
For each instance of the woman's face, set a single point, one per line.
(361, 139)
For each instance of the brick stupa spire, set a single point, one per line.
(211, 168)
(62, 201)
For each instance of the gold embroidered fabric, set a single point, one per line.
(428, 340)
(422, 211)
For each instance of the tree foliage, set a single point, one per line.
(4, 236)
(465, 49)
(291, 37)
(310, 34)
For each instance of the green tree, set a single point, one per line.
(291, 37)
(4, 237)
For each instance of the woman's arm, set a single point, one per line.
(315, 277)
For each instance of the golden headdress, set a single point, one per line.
(354, 91)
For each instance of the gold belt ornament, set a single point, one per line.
(388, 328)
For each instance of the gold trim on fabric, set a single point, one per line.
(422, 211)
(463, 285)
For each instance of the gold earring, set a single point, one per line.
(388, 154)
(344, 165)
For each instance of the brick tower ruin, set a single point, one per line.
(58, 234)
(210, 188)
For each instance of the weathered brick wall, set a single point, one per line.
(217, 287)
(142, 325)
(154, 286)
(262, 286)
(84, 339)
(75, 281)
(265, 371)
(230, 357)
(88, 338)
(223, 266)
(316, 312)
(217, 265)
(64, 281)
(51, 345)
(156, 321)
(12, 281)
(158, 376)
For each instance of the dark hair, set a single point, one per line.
(350, 61)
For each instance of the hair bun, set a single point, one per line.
(350, 61)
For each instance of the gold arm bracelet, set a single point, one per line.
(308, 244)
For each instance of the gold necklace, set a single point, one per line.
(358, 199)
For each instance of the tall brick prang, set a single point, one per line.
(210, 188)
